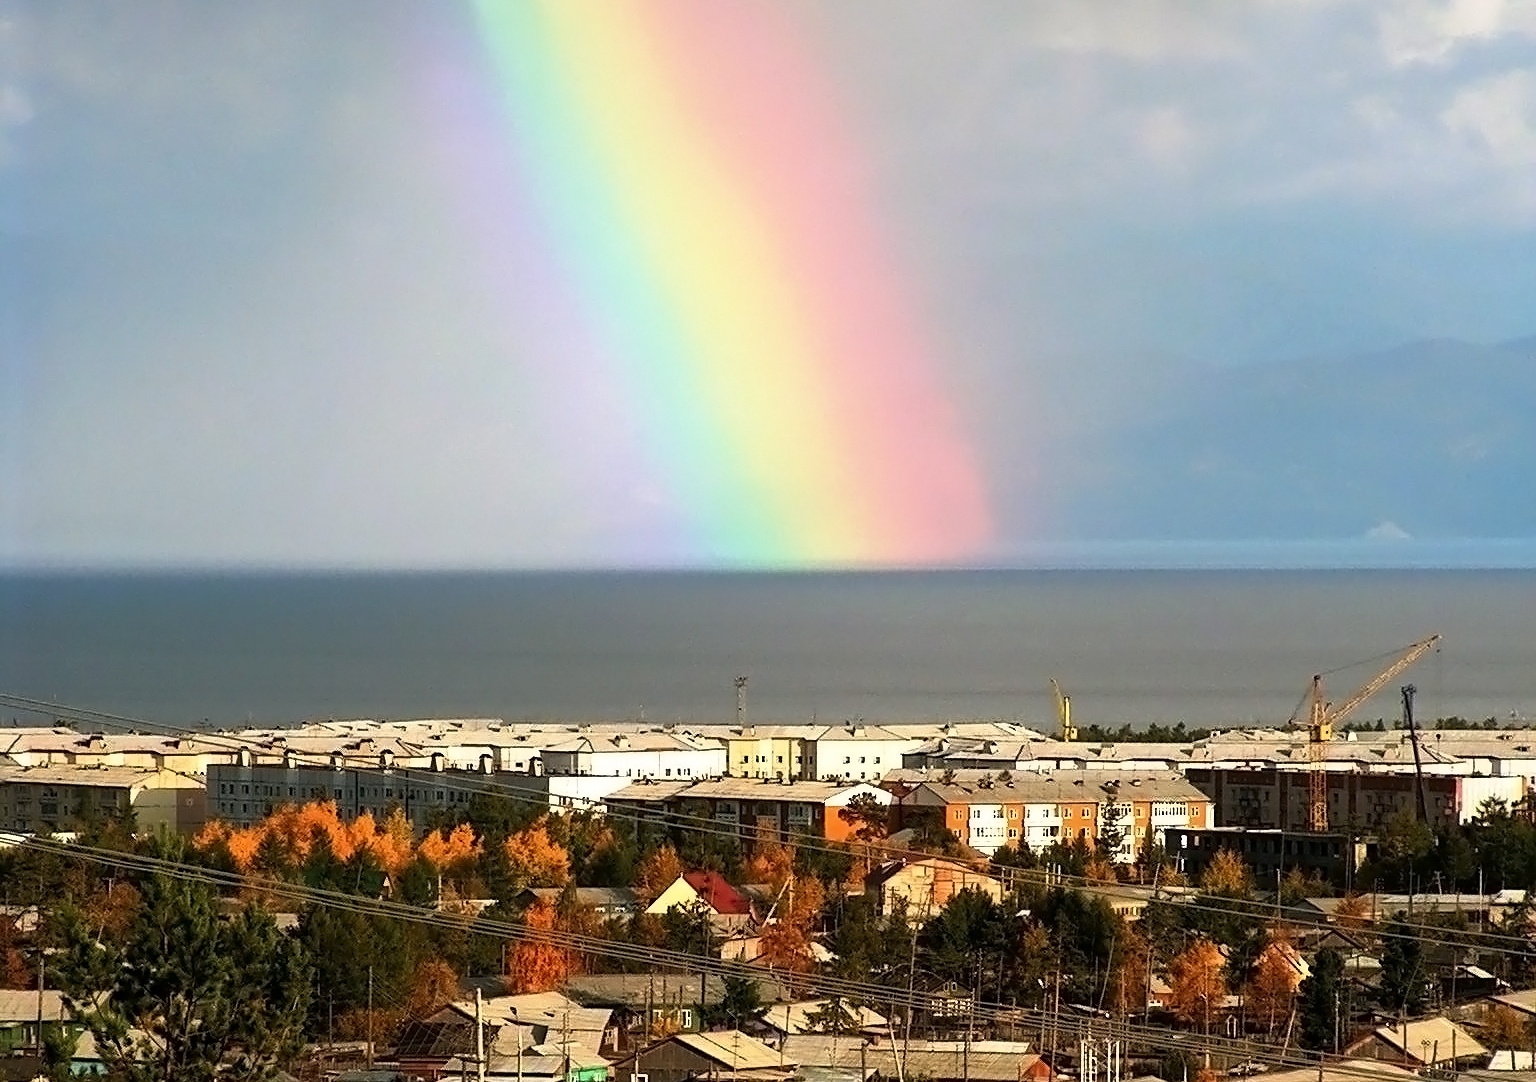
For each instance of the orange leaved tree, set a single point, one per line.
(1196, 988)
(536, 859)
(536, 965)
(656, 872)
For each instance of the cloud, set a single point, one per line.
(1430, 31)
(1387, 530)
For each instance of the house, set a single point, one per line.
(937, 1061)
(19, 1014)
(424, 1047)
(857, 752)
(757, 809)
(536, 1018)
(924, 886)
(820, 1016)
(1429, 1042)
(1333, 857)
(604, 901)
(729, 909)
(685, 1057)
(656, 1002)
(538, 1063)
(636, 755)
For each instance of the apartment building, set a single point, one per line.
(987, 811)
(59, 746)
(1271, 797)
(52, 798)
(754, 808)
(636, 755)
(858, 752)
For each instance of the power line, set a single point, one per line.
(1429, 933)
(1157, 1037)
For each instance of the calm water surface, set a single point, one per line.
(1206, 647)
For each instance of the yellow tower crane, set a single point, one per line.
(1064, 712)
(1324, 716)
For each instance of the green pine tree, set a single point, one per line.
(185, 994)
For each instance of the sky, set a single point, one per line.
(313, 284)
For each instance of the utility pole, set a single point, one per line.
(479, 1039)
(42, 967)
(370, 1018)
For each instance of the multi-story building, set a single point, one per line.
(769, 751)
(754, 808)
(636, 755)
(857, 752)
(57, 746)
(50, 799)
(1271, 797)
(987, 811)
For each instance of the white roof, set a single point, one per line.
(1432, 1040)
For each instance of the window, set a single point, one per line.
(847, 758)
(781, 758)
(685, 1018)
(877, 760)
(1013, 833)
(669, 771)
(245, 790)
(1013, 813)
(862, 759)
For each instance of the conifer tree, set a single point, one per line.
(184, 994)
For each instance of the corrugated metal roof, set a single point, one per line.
(735, 1049)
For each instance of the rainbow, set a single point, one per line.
(698, 243)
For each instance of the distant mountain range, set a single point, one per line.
(1434, 439)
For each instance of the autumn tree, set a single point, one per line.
(658, 871)
(536, 859)
(451, 852)
(535, 964)
(770, 863)
(786, 946)
(1504, 1027)
(1227, 876)
(1271, 990)
(14, 970)
(1100, 870)
(433, 985)
(1352, 911)
(1196, 988)
(1128, 987)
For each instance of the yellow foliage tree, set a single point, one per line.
(450, 851)
(433, 985)
(1504, 1027)
(771, 863)
(1196, 988)
(656, 872)
(1352, 912)
(1227, 875)
(1271, 992)
(1100, 870)
(786, 946)
(537, 860)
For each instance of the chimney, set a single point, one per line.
(439, 762)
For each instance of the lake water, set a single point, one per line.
(1205, 647)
